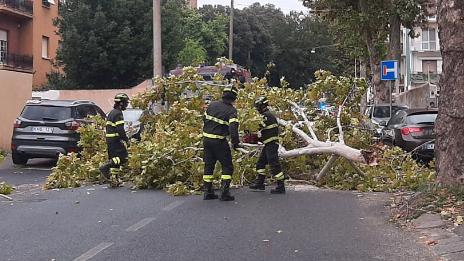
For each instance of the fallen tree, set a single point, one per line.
(169, 155)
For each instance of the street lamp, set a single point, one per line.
(157, 58)
(231, 30)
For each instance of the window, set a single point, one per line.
(3, 46)
(422, 118)
(429, 39)
(47, 3)
(48, 113)
(45, 41)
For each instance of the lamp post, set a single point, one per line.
(157, 57)
(231, 30)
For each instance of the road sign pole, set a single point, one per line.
(391, 98)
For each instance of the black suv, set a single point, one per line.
(47, 128)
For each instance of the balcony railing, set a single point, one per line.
(425, 77)
(16, 61)
(25, 6)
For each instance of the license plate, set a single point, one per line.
(42, 129)
(431, 146)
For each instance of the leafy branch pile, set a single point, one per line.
(72, 170)
(169, 155)
(5, 188)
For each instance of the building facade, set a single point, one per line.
(421, 59)
(28, 40)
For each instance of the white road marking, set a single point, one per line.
(173, 205)
(94, 251)
(139, 224)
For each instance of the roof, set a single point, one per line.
(61, 103)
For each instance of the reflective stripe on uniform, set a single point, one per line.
(114, 170)
(112, 135)
(228, 89)
(213, 136)
(271, 139)
(117, 160)
(272, 126)
(279, 176)
(226, 177)
(208, 178)
(114, 124)
(233, 120)
(211, 118)
(261, 171)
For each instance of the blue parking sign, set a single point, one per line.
(389, 70)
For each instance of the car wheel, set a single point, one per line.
(19, 159)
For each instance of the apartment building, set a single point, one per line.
(421, 60)
(28, 40)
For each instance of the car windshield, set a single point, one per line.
(422, 118)
(132, 115)
(46, 113)
(384, 111)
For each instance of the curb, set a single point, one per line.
(441, 241)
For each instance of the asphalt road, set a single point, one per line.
(98, 223)
(35, 172)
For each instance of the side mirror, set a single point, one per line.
(383, 124)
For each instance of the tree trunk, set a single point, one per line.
(450, 122)
(395, 37)
(381, 92)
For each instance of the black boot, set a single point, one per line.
(258, 184)
(280, 189)
(225, 195)
(209, 191)
(105, 171)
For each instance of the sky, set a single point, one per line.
(285, 5)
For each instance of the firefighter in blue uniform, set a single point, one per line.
(220, 120)
(115, 136)
(269, 154)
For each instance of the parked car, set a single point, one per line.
(46, 128)
(133, 125)
(379, 113)
(412, 130)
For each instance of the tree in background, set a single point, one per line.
(365, 27)
(108, 43)
(450, 122)
(263, 34)
(193, 54)
(104, 43)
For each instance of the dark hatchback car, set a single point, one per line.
(47, 128)
(412, 130)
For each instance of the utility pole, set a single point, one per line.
(231, 30)
(157, 57)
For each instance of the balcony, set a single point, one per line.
(18, 8)
(16, 62)
(420, 78)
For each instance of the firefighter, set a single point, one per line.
(115, 136)
(269, 135)
(220, 120)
